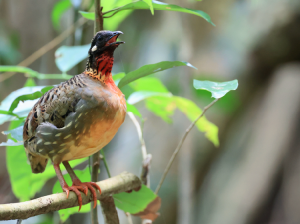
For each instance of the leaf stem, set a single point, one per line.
(180, 145)
(117, 9)
(105, 163)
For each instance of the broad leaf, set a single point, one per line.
(59, 8)
(136, 201)
(192, 111)
(132, 109)
(150, 212)
(218, 89)
(9, 113)
(84, 176)
(161, 106)
(31, 96)
(156, 6)
(67, 57)
(112, 22)
(23, 108)
(33, 73)
(118, 77)
(16, 134)
(142, 95)
(164, 107)
(149, 2)
(11, 143)
(26, 184)
(150, 69)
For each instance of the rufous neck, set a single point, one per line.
(101, 69)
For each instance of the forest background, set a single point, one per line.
(252, 176)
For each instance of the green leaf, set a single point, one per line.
(30, 82)
(23, 107)
(84, 176)
(16, 134)
(156, 6)
(192, 111)
(113, 22)
(11, 143)
(218, 89)
(67, 57)
(20, 69)
(59, 8)
(149, 84)
(118, 77)
(136, 201)
(142, 95)
(161, 106)
(9, 113)
(88, 15)
(132, 109)
(150, 69)
(149, 2)
(33, 74)
(31, 96)
(26, 184)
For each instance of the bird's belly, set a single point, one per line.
(99, 134)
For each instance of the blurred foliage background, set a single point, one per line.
(253, 176)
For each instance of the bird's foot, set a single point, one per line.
(76, 190)
(86, 186)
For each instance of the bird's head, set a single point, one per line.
(104, 42)
(101, 51)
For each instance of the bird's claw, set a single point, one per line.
(86, 186)
(75, 189)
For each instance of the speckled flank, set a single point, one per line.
(71, 121)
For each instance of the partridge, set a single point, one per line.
(78, 117)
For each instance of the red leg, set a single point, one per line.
(66, 188)
(78, 183)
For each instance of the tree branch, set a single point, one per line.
(98, 25)
(94, 177)
(23, 210)
(180, 144)
(109, 210)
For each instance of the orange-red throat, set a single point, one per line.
(102, 70)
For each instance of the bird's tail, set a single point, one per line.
(37, 163)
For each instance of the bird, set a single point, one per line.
(78, 117)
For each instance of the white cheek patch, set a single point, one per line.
(94, 48)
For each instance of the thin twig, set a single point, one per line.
(140, 134)
(145, 178)
(54, 202)
(180, 144)
(105, 163)
(129, 218)
(43, 50)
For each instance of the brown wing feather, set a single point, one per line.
(53, 107)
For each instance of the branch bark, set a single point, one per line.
(98, 25)
(23, 210)
(109, 210)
